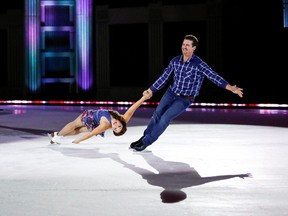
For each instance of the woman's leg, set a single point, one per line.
(72, 128)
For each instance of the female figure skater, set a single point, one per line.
(96, 122)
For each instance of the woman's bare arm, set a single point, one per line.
(129, 113)
(104, 125)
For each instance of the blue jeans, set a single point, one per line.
(170, 106)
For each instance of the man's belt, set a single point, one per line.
(186, 96)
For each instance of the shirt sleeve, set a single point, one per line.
(163, 79)
(212, 75)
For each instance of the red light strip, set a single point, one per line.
(126, 103)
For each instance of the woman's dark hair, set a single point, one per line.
(192, 38)
(117, 116)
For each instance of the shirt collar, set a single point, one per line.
(181, 59)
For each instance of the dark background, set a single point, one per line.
(254, 52)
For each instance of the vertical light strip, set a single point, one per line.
(84, 44)
(285, 13)
(32, 20)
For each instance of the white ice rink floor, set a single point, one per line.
(198, 167)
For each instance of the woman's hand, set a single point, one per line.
(76, 141)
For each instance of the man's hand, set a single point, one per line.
(235, 90)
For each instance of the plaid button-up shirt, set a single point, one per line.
(187, 76)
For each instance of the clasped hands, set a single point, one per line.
(148, 93)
